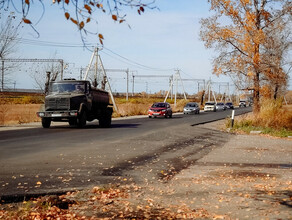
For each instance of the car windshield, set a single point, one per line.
(158, 105)
(210, 103)
(228, 103)
(220, 103)
(191, 105)
(67, 87)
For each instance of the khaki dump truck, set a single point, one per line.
(76, 102)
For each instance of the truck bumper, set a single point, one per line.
(58, 114)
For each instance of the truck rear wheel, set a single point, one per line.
(81, 120)
(106, 120)
(46, 122)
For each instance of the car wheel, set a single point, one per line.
(170, 115)
(150, 116)
(46, 122)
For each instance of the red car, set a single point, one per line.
(160, 109)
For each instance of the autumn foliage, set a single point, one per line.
(250, 39)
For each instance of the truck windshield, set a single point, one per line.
(67, 87)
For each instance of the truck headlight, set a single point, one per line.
(41, 114)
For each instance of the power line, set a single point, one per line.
(87, 45)
(136, 63)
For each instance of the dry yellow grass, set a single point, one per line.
(272, 115)
(18, 113)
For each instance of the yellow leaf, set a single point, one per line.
(81, 25)
(39, 183)
(100, 40)
(74, 21)
(88, 8)
(114, 17)
(67, 15)
(100, 36)
(26, 21)
(88, 20)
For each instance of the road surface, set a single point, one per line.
(36, 161)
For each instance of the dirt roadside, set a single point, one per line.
(249, 177)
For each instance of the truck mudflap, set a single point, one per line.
(58, 114)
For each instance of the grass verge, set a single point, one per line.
(273, 119)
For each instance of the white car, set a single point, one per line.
(210, 106)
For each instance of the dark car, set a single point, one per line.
(160, 109)
(192, 108)
(229, 105)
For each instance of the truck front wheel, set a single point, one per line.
(46, 122)
(81, 120)
(72, 121)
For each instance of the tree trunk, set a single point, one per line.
(256, 94)
(276, 91)
(47, 82)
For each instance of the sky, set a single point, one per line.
(158, 42)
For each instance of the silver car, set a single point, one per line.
(192, 108)
(220, 106)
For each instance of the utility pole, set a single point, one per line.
(127, 95)
(133, 84)
(2, 82)
(105, 79)
(80, 77)
(175, 78)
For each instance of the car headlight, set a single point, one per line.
(163, 110)
(41, 114)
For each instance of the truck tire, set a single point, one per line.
(46, 122)
(106, 120)
(81, 119)
(72, 121)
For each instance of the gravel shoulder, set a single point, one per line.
(249, 177)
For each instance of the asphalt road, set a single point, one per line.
(36, 161)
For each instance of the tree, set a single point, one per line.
(9, 34)
(240, 31)
(46, 73)
(80, 12)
